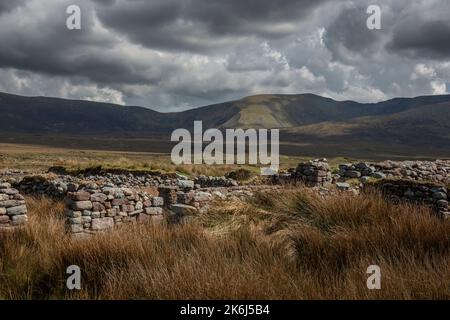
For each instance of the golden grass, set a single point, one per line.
(290, 245)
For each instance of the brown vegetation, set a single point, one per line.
(290, 245)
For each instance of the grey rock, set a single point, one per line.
(99, 197)
(353, 174)
(19, 220)
(81, 205)
(185, 184)
(439, 196)
(102, 224)
(343, 186)
(11, 203)
(19, 210)
(153, 211)
(378, 175)
(76, 228)
(158, 201)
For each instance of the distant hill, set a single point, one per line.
(417, 126)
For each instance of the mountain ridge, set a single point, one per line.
(415, 123)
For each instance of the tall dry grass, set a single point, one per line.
(290, 245)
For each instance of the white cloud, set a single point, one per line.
(438, 87)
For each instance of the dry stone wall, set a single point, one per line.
(13, 209)
(430, 194)
(312, 174)
(102, 208)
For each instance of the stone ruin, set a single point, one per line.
(101, 208)
(430, 194)
(312, 174)
(98, 202)
(13, 209)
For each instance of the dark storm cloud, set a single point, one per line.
(349, 33)
(176, 54)
(201, 25)
(8, 5)
(47, 46)
(429, 39)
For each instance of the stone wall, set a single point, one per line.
(360, 170)
(430, 194)
(435, 171)
(312, 174)
(13, 209)
(96, 209)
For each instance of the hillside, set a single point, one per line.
(411, 125)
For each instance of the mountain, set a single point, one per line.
(308, 123)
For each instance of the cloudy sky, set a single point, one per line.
(171, 55)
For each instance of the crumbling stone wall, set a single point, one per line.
(312, 174)
(92, 210)
(433, 195)
(13, 209)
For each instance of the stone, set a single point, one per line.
(10, 191)
(202, 196)
(73, 214)
(79, 196)
(127, 192)
(186, 184)
(5, 185)
(4, 219)
(153, 211)
(4, 197)
(19, 220)
(119, 202)
(147, 203)
(76, 228)
(158, 201)
(127, 208)
(18, 196)
(72, 187)
(86, 219)
(378, 175)
(183, 210)
(2, 211)
(409, 194)
(19, 210)
(99, 197)
(136, 212)
(96, 206)
(442, 203)
(77, 220)
(95, 215)
(353, 174)
(139, 205)
(364, 179)
(11, 203)
(102, 224)
(81, 205)
(439, 196)
(343, 186)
